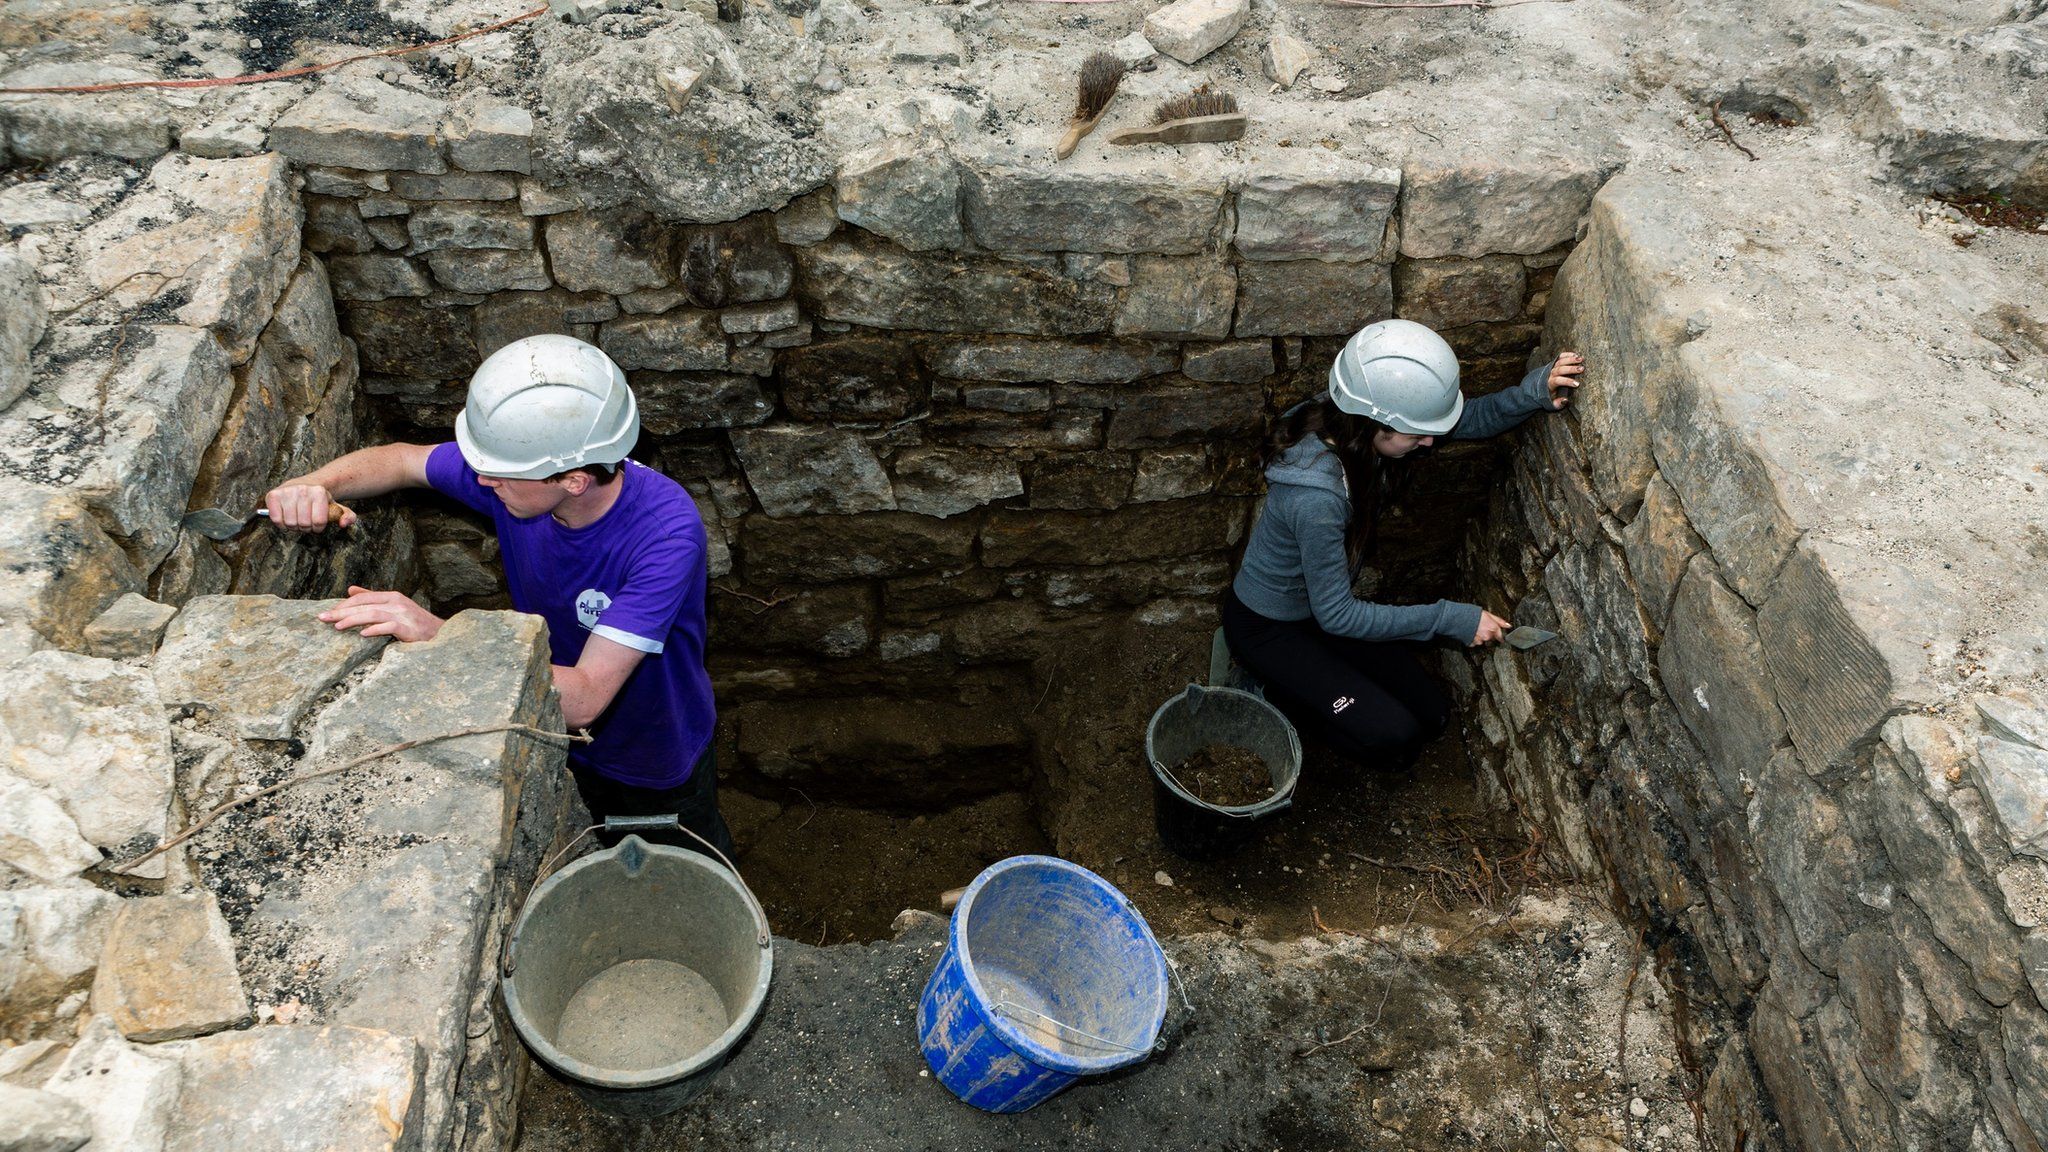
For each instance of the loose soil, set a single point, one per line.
(1226, 775)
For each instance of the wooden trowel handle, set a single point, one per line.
(334, 512)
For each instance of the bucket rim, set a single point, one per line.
(704, 1058)
(1005, 1029)
(1281, 797)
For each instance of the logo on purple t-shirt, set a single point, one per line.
(590, 604)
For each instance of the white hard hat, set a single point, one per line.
(1401, 374)
(544, 405)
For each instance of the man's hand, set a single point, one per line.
(1492, 629)
(303, 508)
(383, 614)
(1564, 376)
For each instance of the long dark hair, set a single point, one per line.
(1373, 481)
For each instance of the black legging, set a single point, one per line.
(1370, 699)
(694, 801)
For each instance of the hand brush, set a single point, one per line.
(1100, 74)
(1200, 117)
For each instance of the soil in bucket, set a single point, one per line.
(1226, 775)
(641, 1014)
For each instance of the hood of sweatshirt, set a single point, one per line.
(1309, 463)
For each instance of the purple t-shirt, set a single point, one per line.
(636, 577)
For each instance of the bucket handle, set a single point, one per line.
(1159, 1045)
(1102, 1040)
(506, 962)
(1163, 770)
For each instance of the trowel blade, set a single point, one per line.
(215, 524)
(1523, 637)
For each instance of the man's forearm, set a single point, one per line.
(370, 471)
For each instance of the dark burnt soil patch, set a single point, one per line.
(283, 26)
(1990, 211)
(1226, 775)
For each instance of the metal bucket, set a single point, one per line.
(1190, 826)
(633, 973)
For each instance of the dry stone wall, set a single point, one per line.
(1796, 718)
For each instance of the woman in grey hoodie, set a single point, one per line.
(1342, 667)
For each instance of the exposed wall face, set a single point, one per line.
(940, 418)
(1794, 716)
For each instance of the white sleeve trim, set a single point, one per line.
(636, 643)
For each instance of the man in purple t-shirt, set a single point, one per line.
(610, 553)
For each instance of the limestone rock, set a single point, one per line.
(1041, 361)
(1172, 474)
(485, 137)
(23, 315)
(1284, 58)
(52, 940)
(258, 659)
(1454, 293)
(30, 204)
(133, 125)
(1188, 30)
(1134, 50)
(128, 1093)
(487, 270)
(130, 628)
(1013, 538)
(834, 620)
(681, 341)
(905, 192)
(1310, 297)
(1712, 665)
(377, 277)
(1318, 207)
(736, 263)
(336, 225)
(878, 285)
(946, 482)
(168, 971)
(454, 186)
(1146, 417)
(854, 378)
(808, 219)
(33, 1121)
(1176, 298)
(829, 746)
(770, 317)
(2014, 777)
(877, 544)
(91, 732)
(37, 837)
(299, 1090)
(673, 402)
(1477, 207)
(1232, 361)
(470, 224)
(413, 340)
(363, 123)
(226, 258)
(1062, 210)
(509, 316)
(799, 470)
(615, 251)
(455, 573)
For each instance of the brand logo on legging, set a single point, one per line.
(1340, 704)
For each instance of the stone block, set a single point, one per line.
(53, 939)
(168, 971)
(1153, 416)
(455, 572)
(1228, 362)
(946, 482)
(488, 270)
(1011, 538)
(300, 1089)
(303, 341)
(929, 753)
(1311, 297)
(1188, 30)
(37, 837)
(854, 378)
(858, 281)
(23, 316)
(131, 627)
(736, 263)
(1833, 686)
(807, 220)
(1135, 51)
(364, 123)
(681, 341)
(1178, 299)
(1066, 210)
(793, 337)
(413, 340)
(1284, 59)
(902, 191)
(36, 1121)
(129, 1093)
(922, 37)
(454, 186)
(509, 316)
(1659, 544)
(1451, 293)
(877, 544)
(133, 125)
(469, 224)
(1597, 608)
(2014, 777)
(225, 256)
(92, 733)
(1125, 585)
(486, 137)
(377, 277)
(803, 470)
(1043, 361)
(617, 251)
(1322, 208)
(775, 316)
(259, 660)
(675, 402)
(1080, 480)
(1006, 397)
(1810, 858)
(1472, 208)
(1055, 431)
(1713, 667)
(1172, 474)
(834, 620)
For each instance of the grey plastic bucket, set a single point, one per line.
(636, 902)
(1189, 825)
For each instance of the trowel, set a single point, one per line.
(221, 524)
(1523, 637)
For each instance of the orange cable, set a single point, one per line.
(260, 77)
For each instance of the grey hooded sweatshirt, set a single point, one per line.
(1294, 566)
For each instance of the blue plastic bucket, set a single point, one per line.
(1049, 975)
